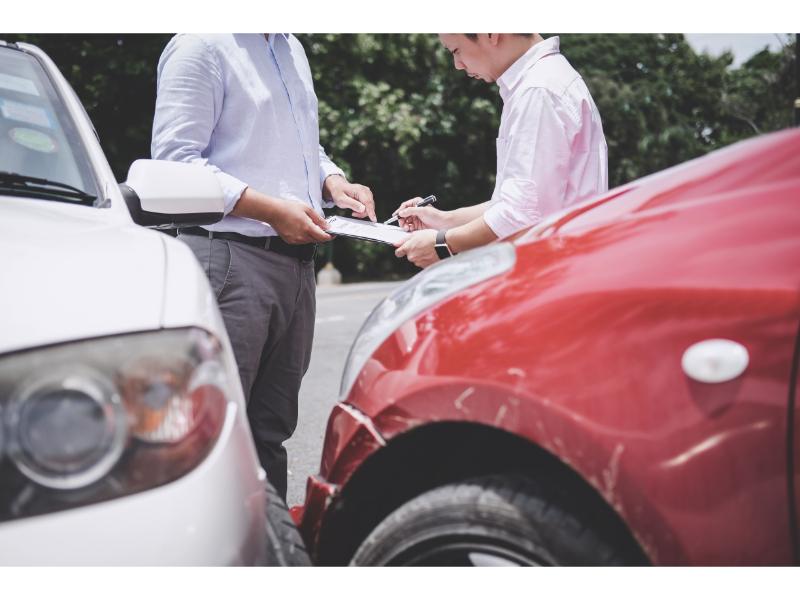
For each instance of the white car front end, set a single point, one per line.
(124, 435)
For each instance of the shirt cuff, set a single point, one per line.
(232, 189)
(513, 208)
(325, 171)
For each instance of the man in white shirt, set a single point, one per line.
(551, 151)
(243, 105)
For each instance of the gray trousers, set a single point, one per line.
(268, 303)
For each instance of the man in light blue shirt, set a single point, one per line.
(244, 106)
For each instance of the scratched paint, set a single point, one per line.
(459, 402)
(610, 475)
(501, 413)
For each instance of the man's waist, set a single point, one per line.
(272, 242)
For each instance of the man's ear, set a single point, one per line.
(494, 38)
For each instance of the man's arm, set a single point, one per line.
(470, 235)
(295, 222)
(189, 98)
(419, 248)
(467, 214)
(413, 218)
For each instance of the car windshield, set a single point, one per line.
(41, 154)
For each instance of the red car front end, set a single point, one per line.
(560, 365)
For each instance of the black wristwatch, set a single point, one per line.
(442, 249)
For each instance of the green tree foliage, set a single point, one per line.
(662, 103)
(758, 96)
(398, 117)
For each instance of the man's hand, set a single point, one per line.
(413, 218)
(353, 196)
(298, 223)
(419, 248)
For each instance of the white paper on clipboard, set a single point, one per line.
(366, 230)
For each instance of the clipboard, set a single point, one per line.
(366, 230)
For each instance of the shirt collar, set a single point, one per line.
(272, 36)
(510, 78)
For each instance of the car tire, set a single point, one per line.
(487, 521)
(285, 547)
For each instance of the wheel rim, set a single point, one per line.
(466, 551)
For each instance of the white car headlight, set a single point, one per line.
(432, 285)
(93, 420)
(68, 427)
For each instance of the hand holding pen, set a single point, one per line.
(416, 213)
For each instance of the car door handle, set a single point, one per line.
(715, 360)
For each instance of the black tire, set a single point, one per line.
(285, 547)
(494, 520)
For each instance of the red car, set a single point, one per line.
(615, 386)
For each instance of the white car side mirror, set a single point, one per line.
(165, 194)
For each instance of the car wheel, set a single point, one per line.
(284, 545)
(487, 521)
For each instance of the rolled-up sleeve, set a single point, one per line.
(189, 98)
(533, 165)
(327, 168)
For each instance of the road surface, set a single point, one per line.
(341, 310)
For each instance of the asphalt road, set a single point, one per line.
(341, 310)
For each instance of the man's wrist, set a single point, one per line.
(443, 250)
(332, 181)
(447, 218)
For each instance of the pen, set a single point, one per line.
(426, 201)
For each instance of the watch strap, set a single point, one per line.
(442, 249)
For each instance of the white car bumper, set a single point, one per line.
(215, 515)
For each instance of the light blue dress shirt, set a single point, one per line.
(244, 106)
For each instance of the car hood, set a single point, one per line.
(72, 272)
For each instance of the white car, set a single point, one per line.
(123, 431)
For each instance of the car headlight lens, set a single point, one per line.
(68, 429)
(89, 421)
(432, 285)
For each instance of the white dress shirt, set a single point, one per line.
(551, 151)
(245, 107)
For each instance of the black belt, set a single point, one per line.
(273, 242)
